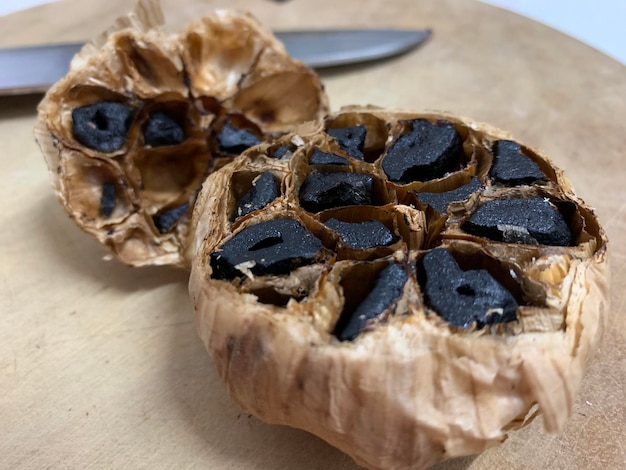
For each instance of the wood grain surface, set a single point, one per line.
(100, 366)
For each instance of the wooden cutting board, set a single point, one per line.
(100, 366)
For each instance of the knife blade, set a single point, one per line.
(34, 69)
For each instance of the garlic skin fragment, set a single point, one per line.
(411, 390)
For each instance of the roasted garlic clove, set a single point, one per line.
(470, 302)
(143, 117)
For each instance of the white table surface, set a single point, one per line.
(599, 23)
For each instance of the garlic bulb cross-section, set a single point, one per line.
(143, 116)
(473, 301)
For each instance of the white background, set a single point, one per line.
(599, 23)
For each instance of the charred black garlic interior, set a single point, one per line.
(385, 212)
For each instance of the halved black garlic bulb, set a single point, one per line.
(409, 287)
(143, 117)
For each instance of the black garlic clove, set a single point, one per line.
(164, 221)
(321, 191)
(161, 129)
(532, 221)
(102, 126)
(273, 247)
(387, 289)
(363, 235)
(511, 167)
(350, 139)
(280, 152)
(429, 151)
(322, 158)
(234, 141)
(264, 190)
(107, 200)
(464, 298)
(440, 201)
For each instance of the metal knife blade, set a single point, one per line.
(34, 69)
(320, 49)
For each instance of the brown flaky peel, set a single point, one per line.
(411, 390)
(222, 69)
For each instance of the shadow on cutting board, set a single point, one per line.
(64, 243)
